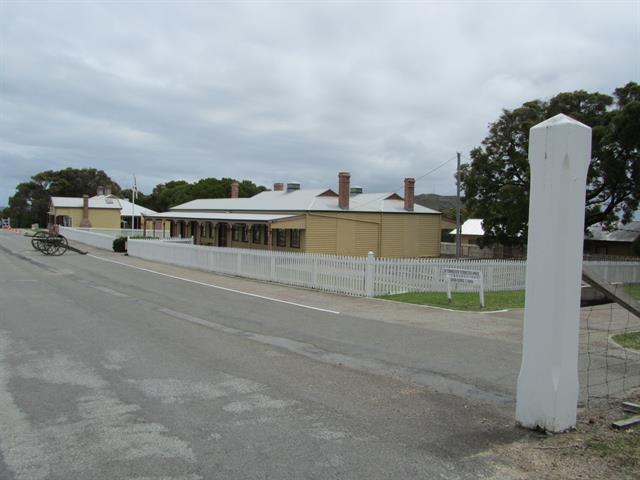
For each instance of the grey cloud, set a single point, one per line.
(273, 92)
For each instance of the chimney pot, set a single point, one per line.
(409, 191)
(278, 187)
(235, 190)
(343, 190)
(293, 187)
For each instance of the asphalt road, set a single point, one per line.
(114, 372)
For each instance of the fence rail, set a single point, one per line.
(360, 276)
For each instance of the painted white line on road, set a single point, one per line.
(110, 291)
(240, 292)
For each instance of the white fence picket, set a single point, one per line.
(343, 275)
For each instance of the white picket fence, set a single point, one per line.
(360, 276)
(393, 275)
(615, 272)
(332, 274)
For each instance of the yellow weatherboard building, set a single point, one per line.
(289, 218)
(100, 211)
(85, 212)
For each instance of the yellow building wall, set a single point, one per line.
(74, 213)
(104, 218)
(386, 235)
(408, 236)
(321, 234)
(99, 217)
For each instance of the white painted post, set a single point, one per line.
(272, 266)
(369, 268)
(481, 280)
(559, 155)
(314, 273)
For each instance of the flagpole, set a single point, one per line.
(133, 204)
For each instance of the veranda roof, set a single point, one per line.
(220, 216)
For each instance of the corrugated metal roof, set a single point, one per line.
(221, 216)
(101, 201)
(623, 233)
(137, 209)
(307, 200)
(472, 226)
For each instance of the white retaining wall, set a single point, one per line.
(99, 240)
(103, 237)
(126, 232)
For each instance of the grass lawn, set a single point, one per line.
(633, 289)
(463, 300)
(628, 340)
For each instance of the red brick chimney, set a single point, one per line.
(235, 190)
(343, 190)
(85, 223)
(409, 190)
(278, 187)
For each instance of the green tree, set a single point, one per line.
(167, 195)
(30, 203)
(496, 182)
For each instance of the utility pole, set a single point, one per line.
(458, 226)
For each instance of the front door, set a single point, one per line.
(222, 234)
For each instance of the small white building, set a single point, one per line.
(471, 231)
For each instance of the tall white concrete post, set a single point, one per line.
(559, 155)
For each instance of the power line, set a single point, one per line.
(417, 178)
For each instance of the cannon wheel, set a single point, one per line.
(38, 241)
(59, 245)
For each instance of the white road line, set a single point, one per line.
(110, 291)
(240, 292)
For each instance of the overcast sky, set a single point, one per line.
(289, 90)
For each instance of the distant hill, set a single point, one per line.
(437, 202)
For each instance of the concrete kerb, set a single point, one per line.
(484, 312)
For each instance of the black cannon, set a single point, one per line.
(52, 244)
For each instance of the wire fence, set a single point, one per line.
(608, 365)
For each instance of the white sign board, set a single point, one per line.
(464, 277)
